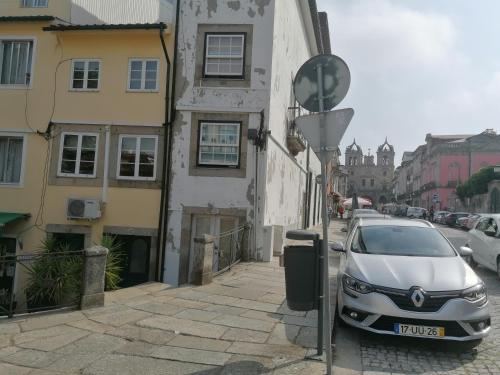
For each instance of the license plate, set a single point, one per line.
(421, 331)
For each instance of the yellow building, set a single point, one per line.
(83, 108)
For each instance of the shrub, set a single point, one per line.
(113, 262)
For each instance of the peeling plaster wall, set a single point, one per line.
(285, 180)
(195, 96)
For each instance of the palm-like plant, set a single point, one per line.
(113, 262)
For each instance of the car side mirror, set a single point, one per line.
(465, 251)
(338, 246)
(490, 233)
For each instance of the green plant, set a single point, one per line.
(113, 262)
(476, 184)
(54, 277)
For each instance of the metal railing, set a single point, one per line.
(39, 282)
(229, 248)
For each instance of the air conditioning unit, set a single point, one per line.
(84, 209)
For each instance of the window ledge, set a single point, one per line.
(15, 87)
(8, 185)
(137, 179)
(143, 91)
(84, 90)
(75, 176)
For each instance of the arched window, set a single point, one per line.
(454, 172)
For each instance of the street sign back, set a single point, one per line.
(336, 82)
(336, 124)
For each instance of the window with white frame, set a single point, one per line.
(16, 58)
(137, 157)
(35, 3)
(85, 74)
(78, 155)
(219, 144)
(143, 75)
(224, 55)
(11, 159)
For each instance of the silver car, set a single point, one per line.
(403, 277)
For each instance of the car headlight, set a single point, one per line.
(476, 293)
(356, 285)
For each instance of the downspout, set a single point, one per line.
(105, 179)
(160, 245)
(172, 112)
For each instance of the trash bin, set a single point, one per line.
(301, 272)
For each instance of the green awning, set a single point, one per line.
(9, 217)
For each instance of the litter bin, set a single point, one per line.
(302, 271)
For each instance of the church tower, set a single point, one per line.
(353, 155)
(385, 155)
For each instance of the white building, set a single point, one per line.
(236, 157)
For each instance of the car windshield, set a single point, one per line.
(402, 241)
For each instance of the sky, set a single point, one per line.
(417, 67)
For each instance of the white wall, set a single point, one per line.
(286, 178)
(219, 192)
(122, 11)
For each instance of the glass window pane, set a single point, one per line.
(129, 143)
(93, 75)
(136, 65)
(78, 74)
(70, 140)
(94, 66)
(147, 157)
(151, 74)
(88, 141)
(150, 85)
(86, 168)
(136, 74)
(126, 170)
(146, 170)
(68, 167)
(87, 155)
(92, 84)
(78, 84)
(135, 84)
(79, 65)
(152, 65)
(128, 157)
(148, 144)
(69, 154)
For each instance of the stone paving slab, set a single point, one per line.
(239, 324)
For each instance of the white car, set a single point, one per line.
(484, 240)
(416, 212)
(403, 277)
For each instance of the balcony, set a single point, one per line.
(295, 141)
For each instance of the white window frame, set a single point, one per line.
(19, 184)
(34, 4)
(20, 38)
(143, 74)
(238, 144)
(136, 176)
(78, 155)
(242, 57)
(85, 74)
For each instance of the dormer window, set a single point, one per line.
(35, 3)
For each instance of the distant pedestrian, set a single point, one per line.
(341, 211)
(431, 213)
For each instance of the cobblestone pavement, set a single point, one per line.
(387, 354)
(239, 324)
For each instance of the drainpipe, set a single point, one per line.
(105, 180)
(170, 114)
(161, 234)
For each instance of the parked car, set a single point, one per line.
(484, 240)
(462, 221)
(439, 216)
(451, 218)
(471, 223)
(416, 212)
(402, 277)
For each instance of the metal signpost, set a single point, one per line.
(321, 83)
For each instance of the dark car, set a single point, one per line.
(452, 218)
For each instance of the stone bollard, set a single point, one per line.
(203, 259)
(94, 271)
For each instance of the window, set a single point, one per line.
(219, 144)
(11, 157)
(35, 3)
(372, 182)
(85, 75)
(224, 55)
(363, 182)
(78, 155)
(137, 157)
(143, 75)
(16, 62)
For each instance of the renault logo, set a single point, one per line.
(417, 297)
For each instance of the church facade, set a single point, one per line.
(367, 177)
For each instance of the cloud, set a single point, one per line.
(410, 74)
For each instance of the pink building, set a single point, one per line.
(443, 162)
